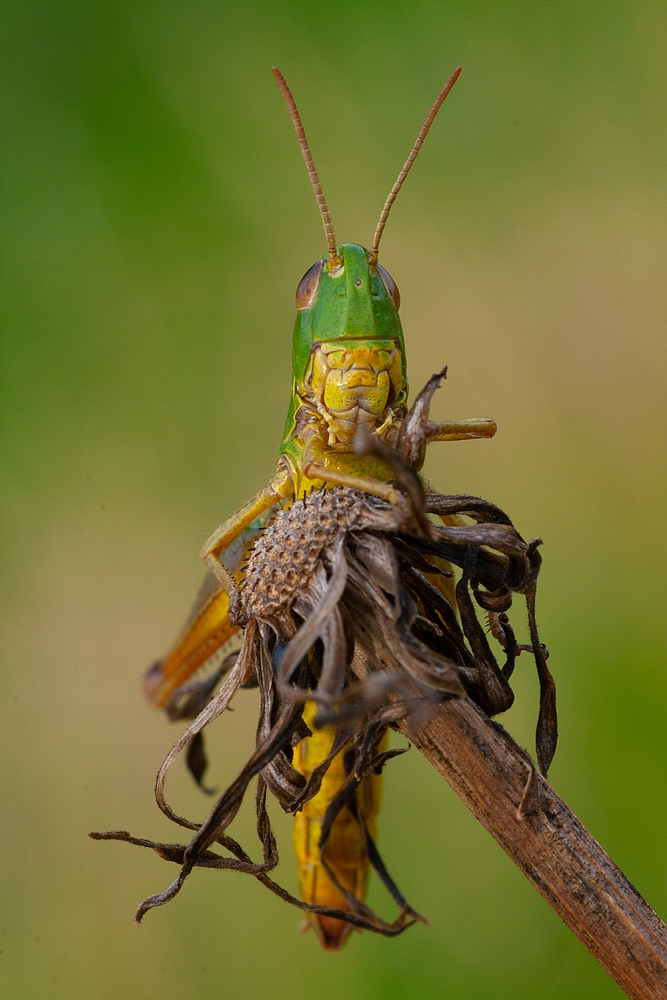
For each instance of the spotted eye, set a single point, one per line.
(392, 290)
(307, 290)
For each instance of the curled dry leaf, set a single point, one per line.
(352, 621)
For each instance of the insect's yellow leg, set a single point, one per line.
(235, 524)
(461, 430)
(316, 469)
(445, 584)
(207, 630)
(345, 852)
(278, 489)
(208, 627)
(375, 487)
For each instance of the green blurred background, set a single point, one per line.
(157, 219)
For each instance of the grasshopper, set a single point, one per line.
(349, 378)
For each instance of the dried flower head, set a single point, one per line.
(352, 621)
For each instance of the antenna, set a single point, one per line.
(310, 166)
(373, 256)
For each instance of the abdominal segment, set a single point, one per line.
(345, 853)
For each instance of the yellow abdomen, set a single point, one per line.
(345, 852)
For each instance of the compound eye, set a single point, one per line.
(307, 290)
(392, 290)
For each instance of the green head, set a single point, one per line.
(344, 301)
(348, 349)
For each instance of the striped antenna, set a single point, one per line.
(310, 166)
(373, 256)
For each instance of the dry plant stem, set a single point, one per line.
(500, 786)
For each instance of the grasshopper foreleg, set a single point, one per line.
(375, 487)
(208, 628)
(314, 467)
(278, 489)
(460, 430)
(418, 430)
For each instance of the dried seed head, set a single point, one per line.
(284, 558)
(345, 605)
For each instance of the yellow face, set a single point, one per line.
(358, 382)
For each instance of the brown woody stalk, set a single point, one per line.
(348, 601)
(498, 783)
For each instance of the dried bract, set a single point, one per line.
(349, 605)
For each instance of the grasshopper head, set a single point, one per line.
(347, 296)
(348, 351)
(343, 301)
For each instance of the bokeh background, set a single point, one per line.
(157, 219)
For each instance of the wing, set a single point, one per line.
(208, 628)
(206, 631)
